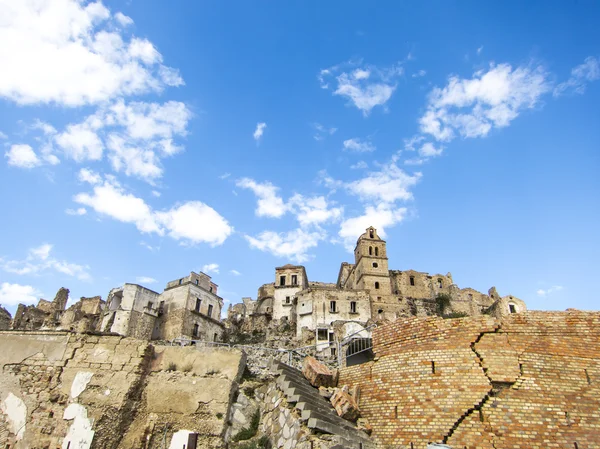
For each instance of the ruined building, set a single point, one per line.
(366, 291)
(46, 315)
(188, 308)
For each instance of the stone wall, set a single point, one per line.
(528, 380)
(60, 390)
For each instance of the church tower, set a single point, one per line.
(371, 268)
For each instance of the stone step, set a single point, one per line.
(286, 384)
(336, 420)
(350, 439)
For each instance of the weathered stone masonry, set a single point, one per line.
(530, 380)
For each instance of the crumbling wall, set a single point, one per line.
(59, 390)
(529, 380)
(5, 319)
(188, 391)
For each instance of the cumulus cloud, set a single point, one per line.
(381, 217)
(269, 204)
(191, 222)
(313, 210)
(553, 289)
(490, 99)
(292, 245)
(210, 268)
(358, 146)
(580, 76)
(14, 294)
(39, 260)
(22, 156)
(387, 185)
(145, 280)
(365, 86)
(70, 53)
(258, 132)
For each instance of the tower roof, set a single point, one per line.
(370, 234)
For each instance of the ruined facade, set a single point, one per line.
(46, 315)
(366, 291)
(188, 308)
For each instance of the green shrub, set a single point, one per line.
(443, 302)
(262, 443)
(248, 432)
(172, 366)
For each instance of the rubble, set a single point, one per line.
(317, 373)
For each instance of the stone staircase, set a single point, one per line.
(317, 411)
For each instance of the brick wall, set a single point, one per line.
(530, 380)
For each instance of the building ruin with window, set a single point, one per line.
(366, 291)
(188, 308)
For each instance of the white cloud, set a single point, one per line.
(225, 176)
(41, 252)
(89, 176)
(313, 211)
(181, 222)
(555, 288)
(80, 142)
(109, 198)
(210, 268)
(39, 260)
(580, 76)
(359, 165)
(381, 217)
(68, 52)
(358, 146)
(365, 86)
(479, 50)
(156, 193)
(145, 280)
(258, 132)
(269, 203)
(123, 19)
(235, 272)
(419, 74)
(78, 211)
(137, 135)
(3, 136)
(388, 185)
(292, 245)
(493, 98)
(14, 294)
(322, 131)
(22, 156)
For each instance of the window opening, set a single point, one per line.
(412, 280)
(370, 250)
(287, 299)
(210, 289)
(440, 285)
(294, 279)
(353, 307)
(322, 334)
(150, 304)
(195, 332)
(180, 281)
(371, 233)
(215, 337)
(332, 306)
(210, 310)
(281, 280)
(375, 265)
(512, 308)
(196, 281)
(376, 285)
(376, 251)
(380, 311)
(198, 304)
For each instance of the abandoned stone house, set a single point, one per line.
(188, 307)
(366, 291)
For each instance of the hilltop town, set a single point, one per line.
(380, 359)
(366, 292)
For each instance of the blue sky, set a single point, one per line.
(143, 140)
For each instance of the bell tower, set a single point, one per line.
(371, 266)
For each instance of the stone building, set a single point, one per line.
(5, 319)
(46, 315)
(366, 291)
(83, 316)
(188, 307)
